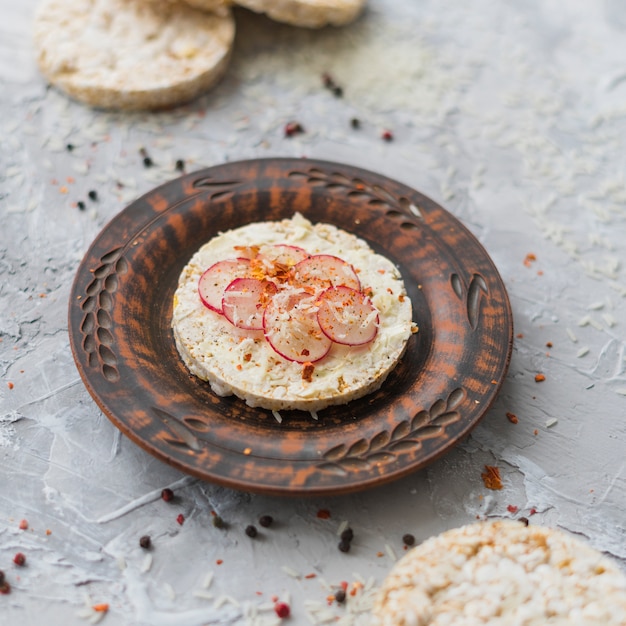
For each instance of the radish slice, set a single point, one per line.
(321, 271)
(214, 280)
(244, 302)
(291, 327)
(347, 316)
(284, 254)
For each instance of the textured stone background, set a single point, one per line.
(509, 114)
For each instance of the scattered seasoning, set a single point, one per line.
(340, 596)
(307, 371)
(512, 417)
(323, 514)
(19, 559)
(331, 85)
(180, 519)
(387, 135)
(145, 542)
(81, 205)
(180, 165)
(512, 508)
(247, 451)
(10, 385)
(282, 610)
(408, 539)
(310, 576)
(524, 521)
(491, 477)
(266, 520)
(549, 344)
(251, 531)
(528, 260)
(293, 128)
(355, 122)
(101, 608)
(69, 147)
(24, 524)
(347, 534)
(219, 562)
(148, 162)
(532, 511)
(93, 195)
(218, 522)
(167, 494)
(539, 378)
(5, 588)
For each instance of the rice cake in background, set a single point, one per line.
(131, 54)
(502, 572)
(307, 13)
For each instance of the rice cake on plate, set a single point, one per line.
(242, 361)
(131, 54)
(307, 13)
(502, 573)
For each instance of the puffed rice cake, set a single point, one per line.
(307, 13)
(131, 54)
(502, 573)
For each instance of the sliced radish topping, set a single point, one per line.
(291, 327)
(213, 282)
(244, 302)
(347, 316)
(284, 254)
(321, 271)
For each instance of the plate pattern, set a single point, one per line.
(120, 311)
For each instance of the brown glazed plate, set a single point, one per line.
(120, 312)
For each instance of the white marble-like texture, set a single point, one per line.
(510, 114)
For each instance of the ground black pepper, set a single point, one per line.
(69, 147)
(355, 122)
(266, 520)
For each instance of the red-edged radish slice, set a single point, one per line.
(291, 327)
(244, 302)
(347, 316)
(285, 254)
(321, 271)
(214, 280)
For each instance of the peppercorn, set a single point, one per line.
(355, 122)
(167, 494)
(293, 128)
(180, 519)
(180, 165)
(338, 92)
(340, 596)
(408, 539)
(347, 534)
(19, 559)
(344, 546)
(282, 609)
(145, 542)
(266, 520)
(5, 588)
(251, 531)
(93, 195)
(69, 147)
(147, 161)
(81, 205)
(387, 135)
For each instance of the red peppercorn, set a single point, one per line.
(5, 588)
(282, 609)
(19, 559)
(167, 494)
(180, 519)
(387, 135)
(24, 525)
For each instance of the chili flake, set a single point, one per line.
(323, 514)
(512, 508)
(512, 417)
(101, 608)
(180, 519)
(491, 477)
(539, 378)
(293, 128)
(282, 609)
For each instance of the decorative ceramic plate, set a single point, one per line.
(121, 305)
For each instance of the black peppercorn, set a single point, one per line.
(408, 539)
(340, 596)
(81, 205)
(69, 147)
(145, 542)
(347, 534)
(344, 546)
(147, 161)
(266, 520)
(251, 531)
(180, 165)
(355, 122)
(93, 195)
